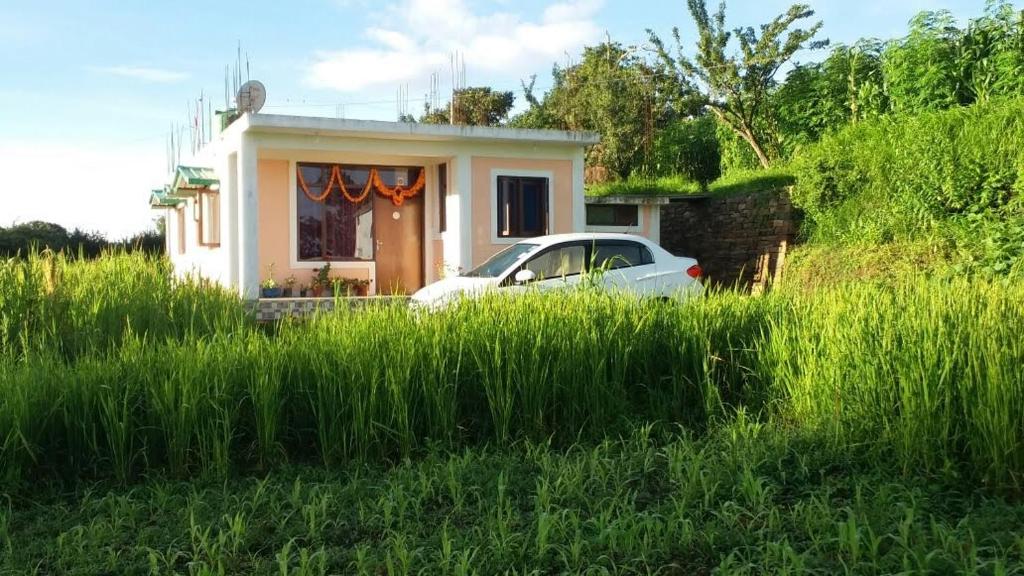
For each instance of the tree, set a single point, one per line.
(691, 148)
(480, 106)
(921, 69)
(737, 87)
(612, 91)
(846, 87)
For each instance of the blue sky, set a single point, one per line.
(89, 90)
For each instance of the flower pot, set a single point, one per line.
(287, 293)
(271, 292)
(317, 291)
(303, 293)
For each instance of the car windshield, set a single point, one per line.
(501, 261)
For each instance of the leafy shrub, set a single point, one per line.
(908, 177)
(689, 147)
(735, 153)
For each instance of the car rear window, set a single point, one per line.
(610, 256)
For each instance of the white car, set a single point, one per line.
(623, 262)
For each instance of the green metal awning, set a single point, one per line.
(189, 179)
(161, 199)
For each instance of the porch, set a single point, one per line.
(368, 223)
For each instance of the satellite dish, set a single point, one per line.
(251, 96)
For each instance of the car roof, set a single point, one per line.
(553, 239)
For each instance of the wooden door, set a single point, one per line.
(398, 233)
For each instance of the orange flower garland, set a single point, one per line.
(337, 178)
(305, 188)
(398, 194)
(344, 191)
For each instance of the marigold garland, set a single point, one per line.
(344, 190)
(398, 194)
(305, 188)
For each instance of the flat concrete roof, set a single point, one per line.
(407, 130)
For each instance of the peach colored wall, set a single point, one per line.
(272, 176)
(645, 230)
(275, 228)
(481, 203)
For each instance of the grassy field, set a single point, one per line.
(746, 498)
(870, 428)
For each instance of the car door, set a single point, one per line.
(558, 266)
(625, 265)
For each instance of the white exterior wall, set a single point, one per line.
(198, 261)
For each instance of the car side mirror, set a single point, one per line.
(525, 276)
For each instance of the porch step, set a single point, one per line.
(272, 309)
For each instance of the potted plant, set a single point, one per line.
(361, 287)
(289, 284)
(303, 291)
(269, 287)
(321, 280)
(341, 287)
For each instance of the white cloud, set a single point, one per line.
(93, 187)
(424, 33)
(159, 75)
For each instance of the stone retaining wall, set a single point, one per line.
(739, 239)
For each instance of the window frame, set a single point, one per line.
(646, 256)
(589, 246)
(614, 207)
(369, 266)
(179, 225)
(442, 197)
(515, 173)
(298, 262)
(202, 220)
(509, 278)
(638, 229)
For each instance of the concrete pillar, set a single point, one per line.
(229, 220)
(579, 214)
(248, 219)
(463, 184)
(655, 225)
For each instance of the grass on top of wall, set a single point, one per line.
(736, 182)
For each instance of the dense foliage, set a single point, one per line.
(612, 90)
(102, 377)
(734, 71)
(956, 175)
(689, 148)
(476, 106)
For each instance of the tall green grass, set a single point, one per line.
(51, 303)
(928, 373)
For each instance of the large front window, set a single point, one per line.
(522, 207)
(334, 208)
(332, 227)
